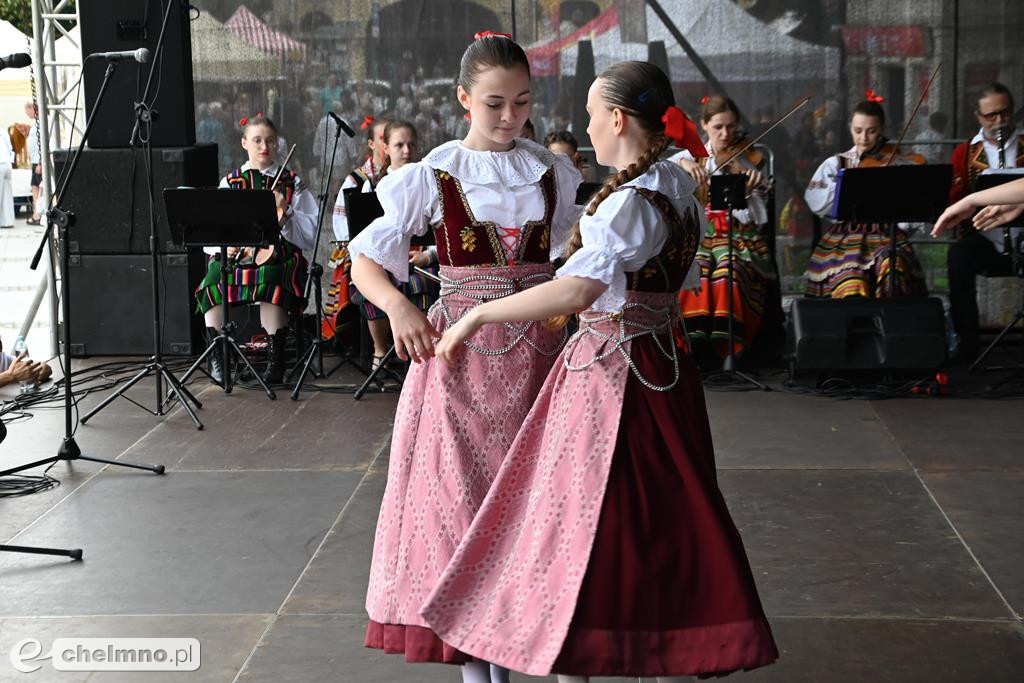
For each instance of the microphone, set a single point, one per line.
(341, 122)
(141, 55)
(16, 61)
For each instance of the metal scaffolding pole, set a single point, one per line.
(51, 19)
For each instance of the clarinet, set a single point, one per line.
(1001, 139)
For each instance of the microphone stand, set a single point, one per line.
(63, 220)
(142, 133)
(315, 347)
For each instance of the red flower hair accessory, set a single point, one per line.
(705, 99)
(484, 34)
(367, 122)
(680, 129)
(871, 96)
(468, 116)
(245, 119)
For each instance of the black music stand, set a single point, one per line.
(892, 194)
(728, 192)
(362, 208)
(222, 218)
(986, 181)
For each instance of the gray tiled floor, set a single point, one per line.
(884, 537)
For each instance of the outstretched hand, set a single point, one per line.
(447, 350)
(996, 215)
(954, 215)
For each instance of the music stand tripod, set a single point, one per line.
(315, 282)
(729, 193)
(218, 218)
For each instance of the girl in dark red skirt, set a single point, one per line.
(604, 547)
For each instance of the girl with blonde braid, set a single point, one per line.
(604, 547)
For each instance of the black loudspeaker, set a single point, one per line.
(112, 210)
(867, 334)
(120, 25)
(112, 304)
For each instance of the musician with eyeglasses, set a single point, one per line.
(998, 144)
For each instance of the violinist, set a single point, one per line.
(854, 259)
(277, 284)
(707, 310)
(980, 253)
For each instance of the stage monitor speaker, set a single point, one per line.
(122, 25)
(112, 304)
(108, 195)
(867, 334)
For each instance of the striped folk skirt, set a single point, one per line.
(707, 313)
(854, 260)
(279, 282)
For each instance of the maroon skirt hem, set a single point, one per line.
(704, 651)
(419, 644)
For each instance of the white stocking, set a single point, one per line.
(272, 317)
(476, 672)
(499, 674)
(573, 679)
(214, 317)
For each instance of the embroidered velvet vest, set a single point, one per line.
(666, 271)
(464, 241)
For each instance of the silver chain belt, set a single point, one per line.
(483, 288)
(628, 331)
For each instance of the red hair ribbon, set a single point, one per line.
(367, 122)
(683, 131)
(245, 119)
(871, 96)
(468, 116)
(705, 99)
(484, 34)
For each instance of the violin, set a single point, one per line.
(887, 152)
(264, 255)
(739, 156)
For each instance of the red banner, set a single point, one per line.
(544, 59)
(885, 41)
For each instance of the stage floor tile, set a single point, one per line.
(854, 544)
(181, 543)
(754, 430)
(957, 434)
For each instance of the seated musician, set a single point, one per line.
(707, 310)
(274, 280)
(396, 146)
(980, 253)
(854, 259)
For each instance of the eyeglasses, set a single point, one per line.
(994, 115)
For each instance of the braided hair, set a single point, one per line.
(641, 90)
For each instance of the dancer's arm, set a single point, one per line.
(412, 332)
(992, 216)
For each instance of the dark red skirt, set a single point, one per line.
(417, 643)
(668, 590)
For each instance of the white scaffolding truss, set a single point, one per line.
(55, 89)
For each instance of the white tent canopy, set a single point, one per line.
(220, 55)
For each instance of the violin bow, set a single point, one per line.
(283, 164)
(759, 137)
(906, 126)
